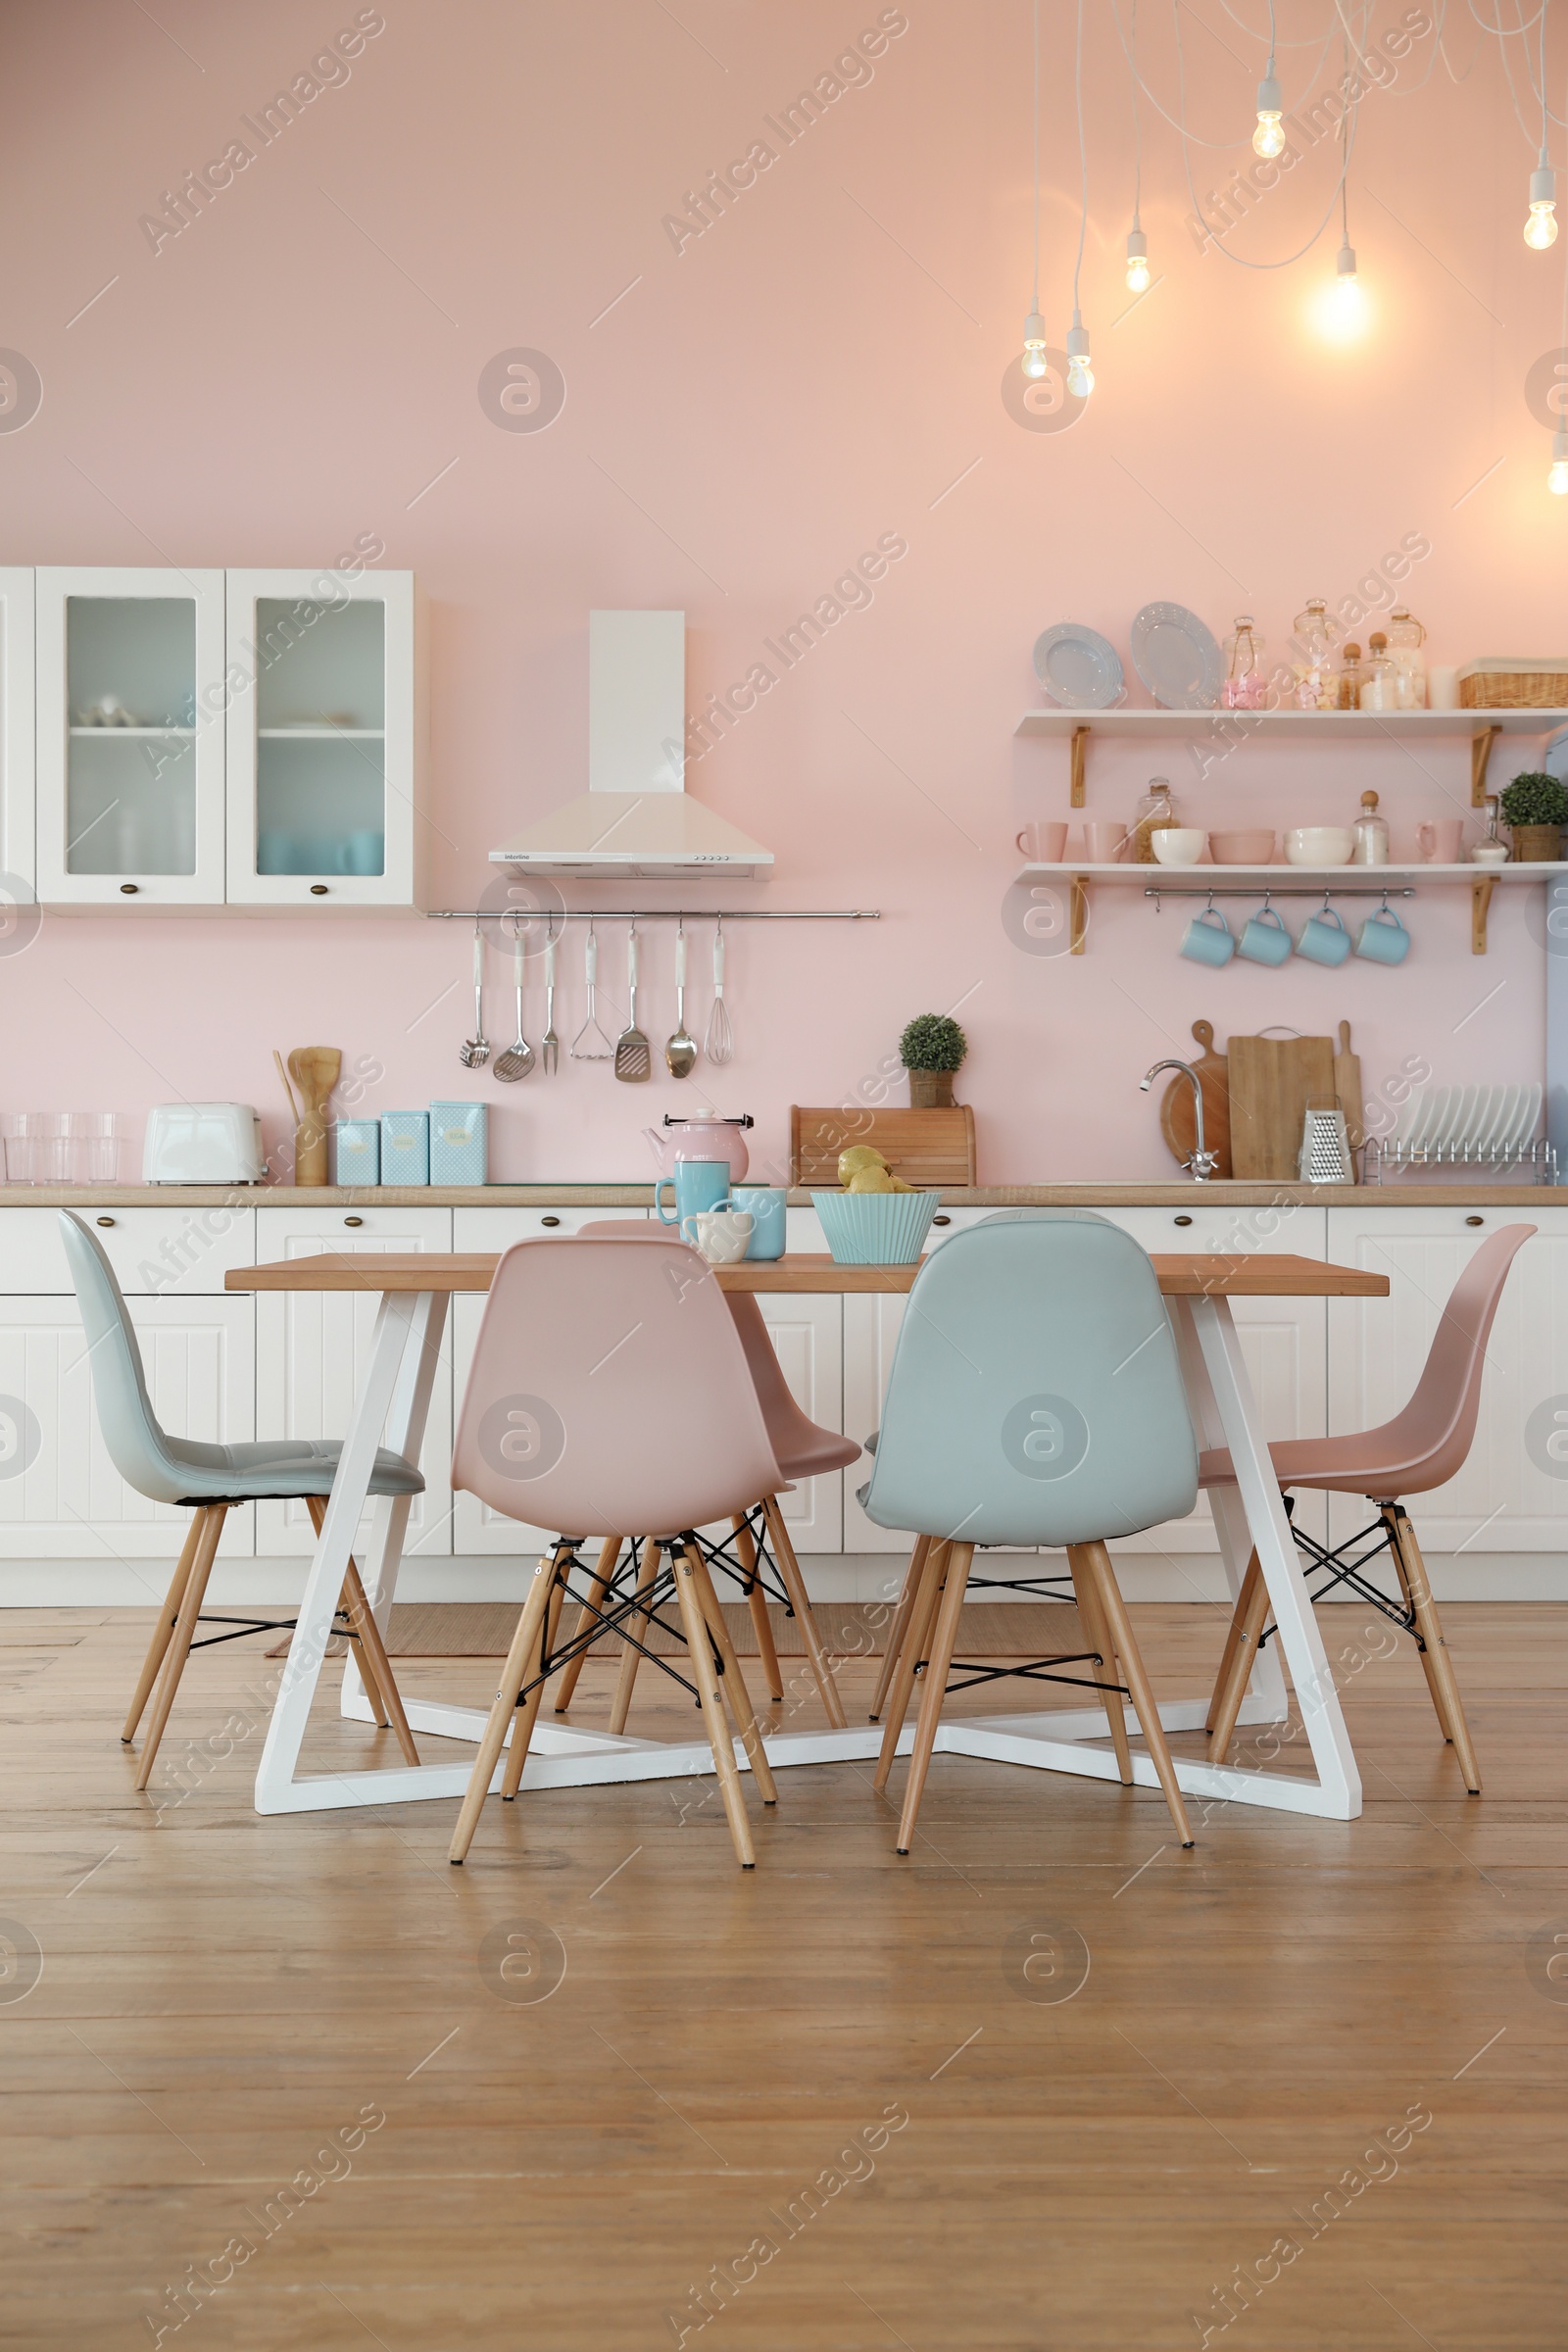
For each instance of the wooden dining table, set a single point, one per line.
(391, 1410)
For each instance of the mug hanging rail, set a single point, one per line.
(659, 914)
(1266, 890)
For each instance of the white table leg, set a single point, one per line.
(1339, 1781)
(405, 1435)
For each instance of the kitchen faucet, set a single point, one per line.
(1202, 1162)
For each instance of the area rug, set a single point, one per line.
(483, 1628)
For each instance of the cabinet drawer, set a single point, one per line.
(176, 1251)
(498, 1228)
(301, 1232)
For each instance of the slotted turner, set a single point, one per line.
(517, 1059)
(634, 1060)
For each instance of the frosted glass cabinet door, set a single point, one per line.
(18, 854)
(324, 766)
(130, 737)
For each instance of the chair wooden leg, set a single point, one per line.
(1389, 1515)
(943, 1644)
(900, 1624)
(1250, 1583)
(916, 1634)
(1246, 1632)
(1097, 1633)
(789, 1568)
(609, 1553)
(630, 1658)
(1430, 1627)
(738, 1698)
(756, 1602)
(212, 1517)
(712, 1706)
(1121, 1633)
(372, 1655)
(524, 1643)
(163, 1631)
(527, 1715)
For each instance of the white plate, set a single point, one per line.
(1496, 1105)
(1412, 1111)
(1523, 1128)
(1464, 1111)
(1177, 657)
(1078, 668)
(1432, 1110)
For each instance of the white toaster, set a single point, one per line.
(203, 1143)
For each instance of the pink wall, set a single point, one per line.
(811, 373)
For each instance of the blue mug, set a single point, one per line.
(1265, 939)
(766, 1205)
(698, 1184)
(1324, 939)
(364, 853)
(1207, 938)
(1384, 938)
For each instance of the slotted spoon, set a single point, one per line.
(680, 1053)
(579, 1050)
(634, 1060)
(474, 1052)
(518, 1060)
(720, 1043)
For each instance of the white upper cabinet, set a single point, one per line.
(129, 734)
(325, 767)
(18, 858)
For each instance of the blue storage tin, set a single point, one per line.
(405, 1146)
(459, 1142)
(357, 1152)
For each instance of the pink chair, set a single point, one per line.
(609, 1395)
(1420, 1448)
(760, 1537)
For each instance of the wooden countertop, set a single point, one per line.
(1171, 1194)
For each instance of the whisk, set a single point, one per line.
(578, 1051)
(720, 1043)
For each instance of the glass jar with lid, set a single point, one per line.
(1316, 687)
(1156, 809)
(1245, 687)
(1380, 688)
(1348, 678)
(1406, 639)
(1371, 834)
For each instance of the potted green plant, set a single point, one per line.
(932, 1049)
(1535, 809)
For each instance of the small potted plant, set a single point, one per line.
(1535, 809)
(932, 1049)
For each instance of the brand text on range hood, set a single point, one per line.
(636, 821)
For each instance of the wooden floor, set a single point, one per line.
(1050, 2083)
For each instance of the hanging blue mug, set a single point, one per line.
(1265, 939)
(1384, 938)
(1208, 939)
(1324, 939)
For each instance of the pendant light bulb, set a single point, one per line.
(1345, 269)
(1035, 362)
(1557, 477)
(1080, 371)
(1268, 139)
(1137, 261)
(1540, 228)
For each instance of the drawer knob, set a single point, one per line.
(942, 1220)
(354, 1220)
(1184, 1220)
(129, 889)
(1475, 1220)
(317, 890)
(103, 1220)
(550, 1220)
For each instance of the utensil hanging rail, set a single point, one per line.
(664, 914)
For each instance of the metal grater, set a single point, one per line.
(1325, 1150)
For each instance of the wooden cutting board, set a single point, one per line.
(1271, 1080)
(1177, 1122)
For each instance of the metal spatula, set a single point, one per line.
(518, 1060)
(634, 1060)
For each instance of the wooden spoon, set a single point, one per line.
(315, 1070)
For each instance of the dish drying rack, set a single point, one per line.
(1466, 1127)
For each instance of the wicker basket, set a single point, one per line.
(1514, 690)
(1535, 845)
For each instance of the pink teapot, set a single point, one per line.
(703, 1135)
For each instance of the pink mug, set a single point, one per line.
(1104, 844)
(1440, 842)
(1044, 843)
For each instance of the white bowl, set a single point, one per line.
(1178, 844)
(1319, 845)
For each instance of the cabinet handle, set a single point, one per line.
(942, 1220)
(354, 1220)
(129, 889)
(1475, 1220)
(550, 1220)
(1183, 1220)
(317, 890)
(103, 1220)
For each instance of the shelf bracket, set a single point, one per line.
(1078, 913)
(1480, 903)
(1480, 755)
(1079, 745)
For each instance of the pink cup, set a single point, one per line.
(1044, 843)
(1104, 844)
(1440, 842)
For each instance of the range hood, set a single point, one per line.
(636, 822)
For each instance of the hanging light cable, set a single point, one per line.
(1557, 471)
(1137, 242)
(1541, 224)
(1079, 371)
(1268, 139)
(1035, 362)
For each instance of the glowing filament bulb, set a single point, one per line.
(1268, 139)
(1558, 478)
(1137, 262)
(1080, 372)
(1035, 362)
(1540, 228)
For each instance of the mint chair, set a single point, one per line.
(1035, 1398)
(210, 1479)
